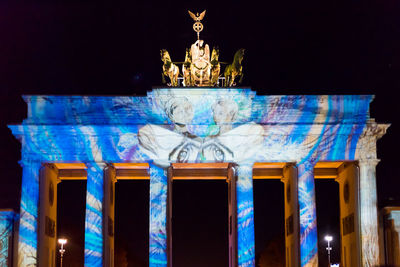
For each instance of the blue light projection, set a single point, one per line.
(186, 125)
(308, 215)
(7, 218)
(245, 216)
(158, 217)
(94, 216)
(28, 218)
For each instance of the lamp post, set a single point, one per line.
(329, 248)
(62, 242)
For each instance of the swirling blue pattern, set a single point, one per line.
(245, 216)
(28, 226)
(158, 217)
(308, 215)
(94, 216)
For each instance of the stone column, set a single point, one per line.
(232, 215)
(158, 217)
(348, 180)
(94, 214)
(396, 238)
(245, 216)
(308, 215)
(47, 247)
(395, 217)
(292, 227)
(368, 213)
(109, 214)
(396, 248)
(29, 209)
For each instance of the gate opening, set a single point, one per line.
(328, 219)
(71, 206)
(199, 223)
(269, 222)
(131, 230)
(337, 201)
(202, 218)
(276, 216)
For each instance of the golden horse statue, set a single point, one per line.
(169, 69)
(215, 66)
(186, 72)
(235, 69)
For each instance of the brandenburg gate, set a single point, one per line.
(196, 129)
(199, 133)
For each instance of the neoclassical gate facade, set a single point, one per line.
(102, 138)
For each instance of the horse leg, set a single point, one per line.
(233, 79)
(163, 78)
(229, 81)
(241, 78)
(175, 80)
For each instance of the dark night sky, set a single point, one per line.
(112, 47)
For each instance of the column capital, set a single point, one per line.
(374, 129)
(98, 163)
(111, 167)
(393, 213)
(243, 167)
(368, 162)
(288, 165)
(100, 166)
(307, 162)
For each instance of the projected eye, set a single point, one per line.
(218, 154)
(182, 156)
(215, 151)
(185, 152)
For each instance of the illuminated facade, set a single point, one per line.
(391, 235)
(7, 221)
(246, 134)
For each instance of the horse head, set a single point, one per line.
(239, 55)
(165, 55)
(188, 55)
(215, 53)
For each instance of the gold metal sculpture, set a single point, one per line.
(199, 69)
(235, 69)
(215, 66)
(186, 66)
(169, 69)
(197, 26)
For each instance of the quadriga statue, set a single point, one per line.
(199, 69)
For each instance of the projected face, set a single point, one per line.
(224, 114)
(179, 110)
(224, 111)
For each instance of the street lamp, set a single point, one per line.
(329, 248)
(62, 242)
